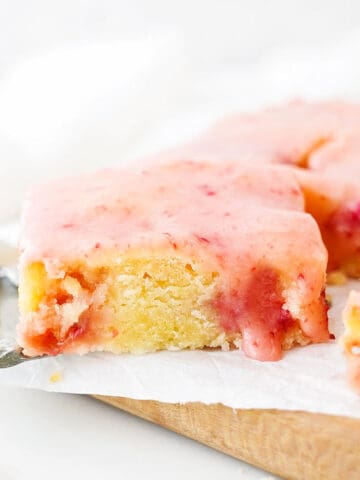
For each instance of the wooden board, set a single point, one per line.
(293, 445)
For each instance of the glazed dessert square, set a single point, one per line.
(184, 255)
(320, 143)
(351, 338)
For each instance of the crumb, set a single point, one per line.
(328, 299)
(56, 377)
(336, 278)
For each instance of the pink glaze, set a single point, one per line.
(294, 134)
(322, 140)
(261, 300)
(245, 223)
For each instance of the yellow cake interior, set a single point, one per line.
(127, 304)
(139, 304)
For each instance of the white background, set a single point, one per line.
(86, 84)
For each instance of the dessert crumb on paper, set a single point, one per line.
(56, 377)
(336, 278)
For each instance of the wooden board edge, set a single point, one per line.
(293, 445)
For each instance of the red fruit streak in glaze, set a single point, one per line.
(207, 190)
(171, 240)
(257, 313)
(201, 239)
